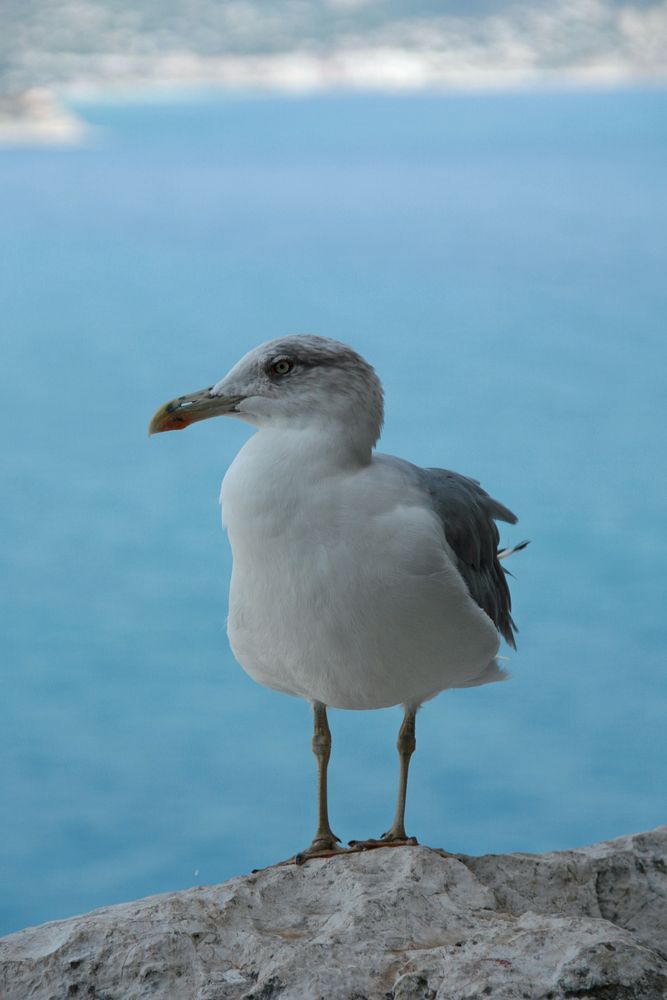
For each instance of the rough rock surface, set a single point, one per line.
(388, 924)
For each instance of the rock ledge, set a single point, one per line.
(410, 922)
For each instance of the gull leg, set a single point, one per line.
(396, 835)
(405, 744)
(325, 842)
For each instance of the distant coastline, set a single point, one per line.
(42, 115)
(68, 52)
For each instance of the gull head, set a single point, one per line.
(300, 381)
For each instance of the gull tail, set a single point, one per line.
(504, 553)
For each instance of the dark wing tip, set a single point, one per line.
(468, 515)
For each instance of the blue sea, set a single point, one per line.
(502, 262)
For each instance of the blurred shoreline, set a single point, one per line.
(45, 115)
(58, 54)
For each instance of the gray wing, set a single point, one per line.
(468, 516)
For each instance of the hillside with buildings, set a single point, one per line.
(74, 47)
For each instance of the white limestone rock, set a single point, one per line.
(407, 923)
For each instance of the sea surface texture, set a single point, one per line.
(501, 261)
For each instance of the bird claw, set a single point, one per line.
(397, 838)
(321, 847)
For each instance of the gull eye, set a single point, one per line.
(282, 366)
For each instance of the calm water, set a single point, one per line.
(501, 260)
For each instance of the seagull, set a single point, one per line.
(359, 580)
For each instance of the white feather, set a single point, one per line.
(344, 589)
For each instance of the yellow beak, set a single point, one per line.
(180, 413)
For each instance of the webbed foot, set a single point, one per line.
(389, 839)
(322, 847)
